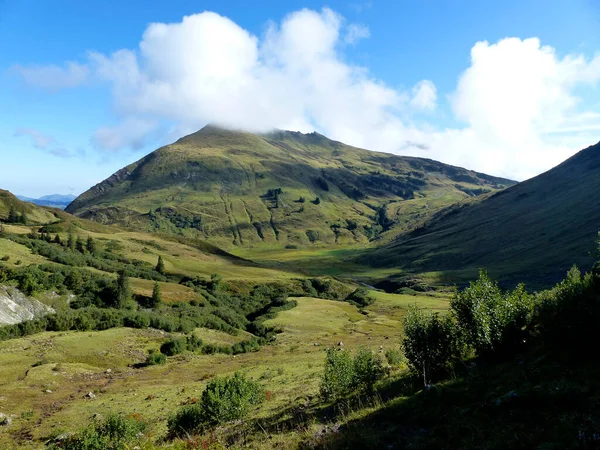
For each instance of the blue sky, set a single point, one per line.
(505, 87)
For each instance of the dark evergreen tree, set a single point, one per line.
(71, 241)
(57, 239)
(13, 216)
(123, 291)
(156, 296)
(90, 245)
(79, 246)
(160, 266)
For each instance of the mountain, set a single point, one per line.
(282, 188)
(533, 231)
(34, 213)
(53, 200)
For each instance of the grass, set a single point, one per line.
(531, 232)
(71, 364)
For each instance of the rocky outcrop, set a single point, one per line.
(16, 307)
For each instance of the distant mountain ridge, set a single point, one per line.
(533, 231)
(280, 188)
(54, 200)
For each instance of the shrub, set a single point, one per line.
(226, 399)
(394, 357)
(489, 318)
(155, 358)
(567, 316)
(338, 375)
(360, 298)
(431, 342)
(223, 400)
(114, 433)
(368, 369)
(173, 346)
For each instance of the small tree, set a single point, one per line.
(23, 219)
(156, 299)
(70, 241)
(338, 376)
(122, 291)
(13, 216)
(79, 245)
(160, 265)
(57, 239)
(368, 369)
(488, 317)
(431, 342)
(215, 282)
(90, 245)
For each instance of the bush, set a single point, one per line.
(360, 298)
(155, 358)
(223, 400)
(114, 433)
(338, 375)
(431, 342)
(394, 357)
(490, 319)
(567, 316)
(368, 369)
(173, 346)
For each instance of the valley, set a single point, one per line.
(201, 261)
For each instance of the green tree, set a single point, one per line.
(338, 375)
(488, 317)
(90, 245)
(368, 369)
(79, 245)
(23, 219)
(156, 299)
(57, 239)
(431, 342)
(215, 282)
(123, 291)
(13, 216)
(160, 265)
(70, 241)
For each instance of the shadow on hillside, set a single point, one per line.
(533, 401)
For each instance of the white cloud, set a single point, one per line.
(131, 133)
(518, 105)
(355, 32)
(424, 96)
(53, 77)
(43, 142)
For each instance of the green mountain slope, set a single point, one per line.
(282, 188)
(536, 229)
(35, 214)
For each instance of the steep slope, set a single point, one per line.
(237, 188)
(35, 214)
(537, 229)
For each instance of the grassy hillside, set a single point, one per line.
(533, 231)
(35, 214)
(284, 188)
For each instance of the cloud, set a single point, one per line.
(131, 133)
(356, 32)
(43, 142)
(517, 109)
(424, 96)
(53, 77)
